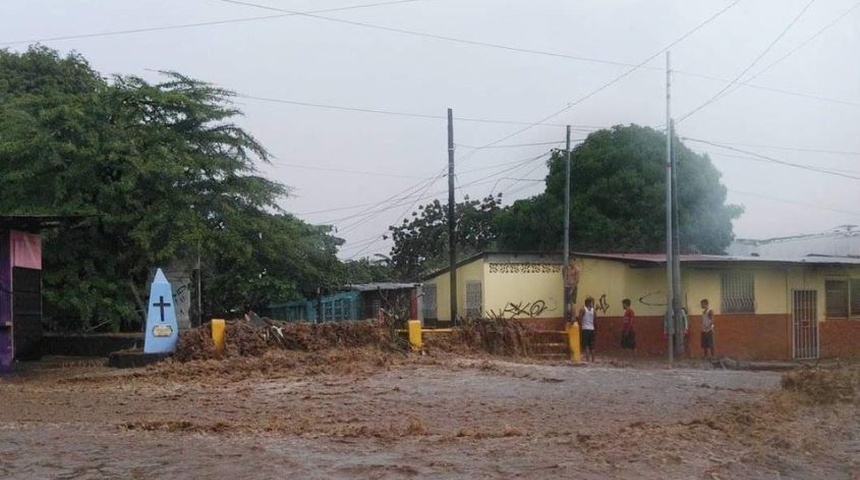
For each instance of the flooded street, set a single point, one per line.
(366, 417)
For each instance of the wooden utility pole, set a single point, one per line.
(452, 230)
(566, 265)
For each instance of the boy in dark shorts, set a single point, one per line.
(586, 318)
(628, 333)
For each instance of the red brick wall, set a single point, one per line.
(840, 338)
(743, 337)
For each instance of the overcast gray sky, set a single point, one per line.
(362, 171)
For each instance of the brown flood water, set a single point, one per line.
(443, 418)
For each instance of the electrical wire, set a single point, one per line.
(800, 46)
(413, 199)
(747, 157)
(748, 67)
(342, 170)
(605, 85)
(794, 202)
(195, 25)
(584, 128)
(793, 149)
(774, 160)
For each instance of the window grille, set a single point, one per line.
(854, 295)
(474, 302)
(429, 305)
(738, 293)
(842, 298)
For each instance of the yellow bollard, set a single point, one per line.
(574, 342)
(219, 334)
(414, 328)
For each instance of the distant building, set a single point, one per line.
(843, 241)
(354, 302)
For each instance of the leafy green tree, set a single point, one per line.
(421, 244)
(618, 199)
(368, 270)
(162, 173)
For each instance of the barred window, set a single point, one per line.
(738, 292)
(474, 301)
(429, 304)
(842, 298)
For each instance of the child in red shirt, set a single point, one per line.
(628, 334)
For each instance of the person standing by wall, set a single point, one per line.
(586, 317)
(679, 331)
(707, 330)
(628, 332)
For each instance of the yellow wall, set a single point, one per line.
(472, 271)
(606, 281)
(609, 281)
(532, 283)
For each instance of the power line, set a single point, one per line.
(584, 128)
(751, 65)
(770, 89)
(517, 145)
(410, 207)
(342, 170)
(607, 84)
(794, 202)
(413, 199)
(747, 157)
(774, 160)
(802, 44)
(794, 149)
(372, 212)
(195, 25)
(404, 198)
(439, 37)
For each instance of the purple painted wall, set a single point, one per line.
(7, 348)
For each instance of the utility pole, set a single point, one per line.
(452, 258)
(676, 251)
(670, 284)
(566, 266)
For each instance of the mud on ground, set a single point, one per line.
(367, 413)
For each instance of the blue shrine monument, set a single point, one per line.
(162, 330)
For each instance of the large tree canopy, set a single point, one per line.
(164, 175)
(421, 243)
(618, 199)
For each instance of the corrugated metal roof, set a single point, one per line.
(660, 258)
(372, 287)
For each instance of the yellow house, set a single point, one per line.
(766, 308)
(513, 285)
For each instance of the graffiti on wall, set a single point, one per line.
(522, 309)
(531, 309)
(524, 267)
(654, 299)
(602, 304)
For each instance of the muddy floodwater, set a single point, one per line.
(373, 416)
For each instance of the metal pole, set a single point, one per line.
(676, 248)
(452, 254)
(670, 300)
(199, 291)
(566, 265)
